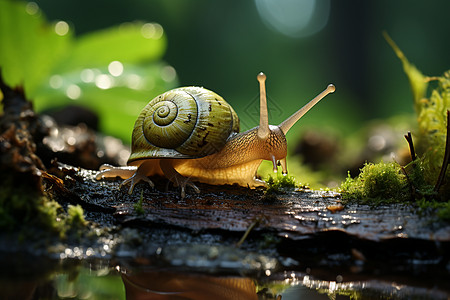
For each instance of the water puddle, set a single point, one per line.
(139, 279)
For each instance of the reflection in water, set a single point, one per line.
(102, 279)
(164, 285)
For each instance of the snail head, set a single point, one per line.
(274, 137)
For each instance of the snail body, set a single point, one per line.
(192, 134)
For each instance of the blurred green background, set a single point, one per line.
(301, 45)
(222, 45)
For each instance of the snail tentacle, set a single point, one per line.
(263, 129)
(289, 122)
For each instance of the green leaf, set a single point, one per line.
(114, 71)
(417, 80)
(117, 99)
(128, 43)
(29, 47)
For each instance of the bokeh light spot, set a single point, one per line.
(87, 75)
(152, 31)
(168, 73)
(103, 81)
(115, 68)
(134, 81)
(61, 28)
(294, 18)
(56, 81)
(73, 91)
(32, 8)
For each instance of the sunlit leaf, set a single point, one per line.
(117, 100)
(114, 71)
(29, 47)
(417, 80)
(127, 43)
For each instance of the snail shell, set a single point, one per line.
(188, 122)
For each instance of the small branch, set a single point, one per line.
(446, 157)
(247, 232)
(408, 138)
(412, 188)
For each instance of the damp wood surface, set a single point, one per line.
(292, 214)
(318, 219)
(298, 229)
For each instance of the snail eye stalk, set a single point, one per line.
(289, 122)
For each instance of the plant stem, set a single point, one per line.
(446, 156)
(408, 138)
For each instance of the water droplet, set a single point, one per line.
(90, 251)
(152, 31)
(32, 8)
(87, 75)
(61, 28)
(134, 81)
(56, 81)
(103, 81)
(332, 286)
(168, 73)
(71, 140)
(73, 91)
(115, 68)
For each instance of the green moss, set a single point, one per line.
(21, 207)
(443, 212)
(387, 183)
(296, 169)
(280, 184)
(376, 184)
(26, 211)
(47, 216)
(138, 205)
(440, 209)
(75, 216)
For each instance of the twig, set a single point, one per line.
(408, 138)
(412, 188)
(247, 232)
(446, 157)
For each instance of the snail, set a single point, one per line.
(192, 134)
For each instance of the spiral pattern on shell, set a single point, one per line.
(183, 123)
(165, 113)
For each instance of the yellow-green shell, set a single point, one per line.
(188, 122)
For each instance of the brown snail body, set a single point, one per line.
(211, 150)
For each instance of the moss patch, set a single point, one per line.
(385, 183)
(25, 211)
(138, 205)
(280, 184)
(377, 184)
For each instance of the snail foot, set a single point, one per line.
(255, 182)
(185, 183)
(175, 177)
(108, 171)
(135, 179)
